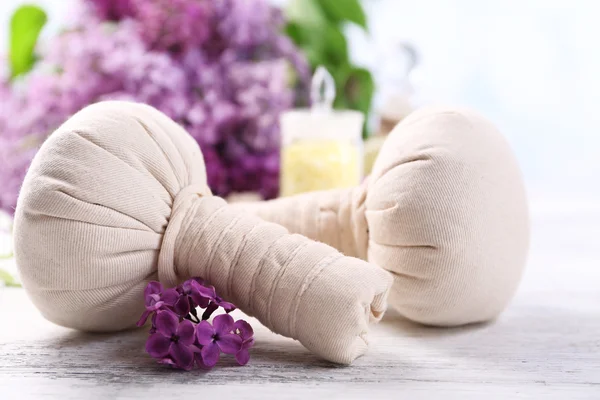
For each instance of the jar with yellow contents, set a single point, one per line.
(320, 150)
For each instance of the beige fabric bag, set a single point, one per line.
(117, 196)
(444, 210)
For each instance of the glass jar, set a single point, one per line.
(320, 150)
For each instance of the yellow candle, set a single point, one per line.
(310, 165)
(320, 150)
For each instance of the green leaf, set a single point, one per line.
(344, 10)
(8, 280)
(295, 32)
(336, 47)
(25, 27)
(340, 74)
(359, 91)
(307, 13)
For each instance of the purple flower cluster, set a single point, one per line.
(221, 68)
(180, 339)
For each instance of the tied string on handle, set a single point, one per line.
(183, 201)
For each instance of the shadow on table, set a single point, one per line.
(531, 334)
(393, 321)
(127, 348)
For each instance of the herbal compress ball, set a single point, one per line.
(444, 211)
(117, 197)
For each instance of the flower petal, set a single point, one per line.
(242, 357)
(210, 354)
(186, 332)
(187, 286)
(153, 329)
(204, 291)
(227, 306)
(195, 348)
(157, 345)
(200, 300)
(143, 318)
(245, 329)
(166, 322)
(156, 306)
(223, 323)
(169, 296)
(153, 287)
(182, 306)
(247, 343)
(204, 333)
(230, 343)
(152, 299)
(200, 361)
(182, 355)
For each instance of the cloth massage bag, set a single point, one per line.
(117, 197)
(444, 211)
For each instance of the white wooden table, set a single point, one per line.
(547, 344)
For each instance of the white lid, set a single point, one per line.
(318, 124)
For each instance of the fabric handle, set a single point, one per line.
(295, 286)
(335, 217)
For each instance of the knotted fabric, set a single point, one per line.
(444, 210)
(117, 197)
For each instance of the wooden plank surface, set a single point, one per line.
(547, 344)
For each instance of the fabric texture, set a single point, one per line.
(117, 197)
(444, 210)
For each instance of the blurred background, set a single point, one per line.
(530, 66)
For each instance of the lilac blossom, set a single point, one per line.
(173, 341)
(157, 298)
(217, 338)
(220, 68)
(173, 25)
(246, 333)
(113, 10)
(192, 294)
(177, 338)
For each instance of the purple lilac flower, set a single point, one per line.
(217, 338)
(169, 341)
(225, 305)
(173, 24)
(173, 341)
(192, 294)
(157, 298)
(113, 10)
(216, 301)
(246, 333)
(220, 68)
